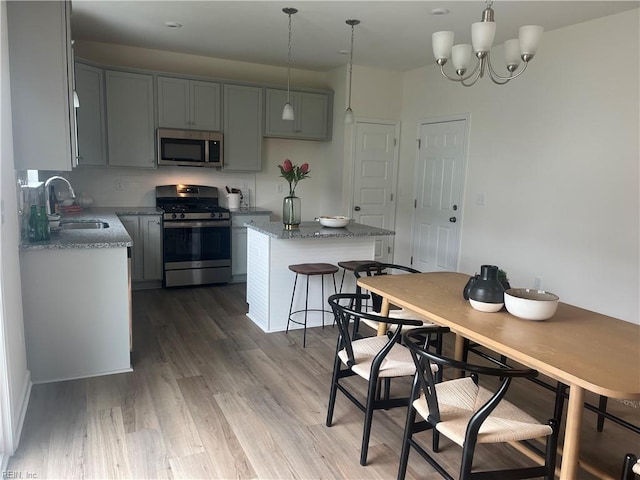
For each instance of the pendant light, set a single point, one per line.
(287, 111)
(348, 115)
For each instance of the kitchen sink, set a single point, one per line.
(83, 225)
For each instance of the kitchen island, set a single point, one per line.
(270, 251)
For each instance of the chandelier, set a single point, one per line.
(482, 34)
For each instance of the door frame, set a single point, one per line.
(396, 159)
(463, 187)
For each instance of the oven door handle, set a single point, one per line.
(197, 224)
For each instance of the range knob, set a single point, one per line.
(220, 215)
(182, 215)
(173, 215)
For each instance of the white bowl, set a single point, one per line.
(530, 304)
(486, 307)
(335, 222)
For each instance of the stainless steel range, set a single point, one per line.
(196, 235)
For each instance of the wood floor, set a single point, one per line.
(212, 396)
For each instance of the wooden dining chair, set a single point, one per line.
(468, 414)
(371, 358)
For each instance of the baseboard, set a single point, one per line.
(24, 405)
(12, 443)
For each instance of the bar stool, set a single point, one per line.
(351, 265)
(310, 270)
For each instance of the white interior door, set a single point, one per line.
(374, 180)
(439, 188)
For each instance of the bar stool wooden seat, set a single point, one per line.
(350, 266)
(310, 270)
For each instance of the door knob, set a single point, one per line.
(356, 208)
(452, 219)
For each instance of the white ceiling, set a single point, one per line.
(393, 34)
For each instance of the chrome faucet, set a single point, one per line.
(50, 208)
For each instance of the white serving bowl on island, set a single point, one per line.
(337, 221)
(530, 304)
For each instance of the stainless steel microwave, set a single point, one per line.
(190, 148)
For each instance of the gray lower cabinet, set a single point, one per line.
(242, 128)
(188, 104)
(146, 254)
(130, 119)
(312, 115)
(91, 115)
(239, 242)
(41, 67)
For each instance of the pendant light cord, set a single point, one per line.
(351, 64)
(289, 62)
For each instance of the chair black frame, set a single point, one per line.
(627, 467)
(425, 381)
(561, 393)
(344, 314)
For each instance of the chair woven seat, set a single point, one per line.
(397, 363)
(351, 265)
(459, 399)
(313, 268)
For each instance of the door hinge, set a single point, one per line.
(419, 140)
(415, 203)
(395, 142)
(411, 260)
(392, 197)
(388, 249)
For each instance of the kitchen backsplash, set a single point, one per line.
(115, 187)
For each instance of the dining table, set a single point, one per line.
(585, 350)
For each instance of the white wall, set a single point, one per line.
(15, 383)
(556, 153)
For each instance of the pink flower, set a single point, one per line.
(293, 174)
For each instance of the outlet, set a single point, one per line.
(279, 188)
(119, 187)
(537, 283)
(480, 199)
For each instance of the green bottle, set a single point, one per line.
(33, 224)
(44, 223)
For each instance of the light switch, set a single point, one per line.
(480, 197)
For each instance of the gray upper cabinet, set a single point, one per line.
(130, 119)
(242, 128)
(41, 66)
(91, 115)
(188, 104)
(312, 115)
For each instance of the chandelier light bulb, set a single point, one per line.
(461, 57)
(530, 37)
(442, 43)
(512, 54)
(482, 34)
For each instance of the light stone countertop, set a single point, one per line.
(250, 211)
(113, 237)
(315, 230)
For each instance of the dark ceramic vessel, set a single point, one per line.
(486, 287)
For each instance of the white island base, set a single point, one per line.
(270, 282)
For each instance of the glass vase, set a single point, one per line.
(291, 213)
